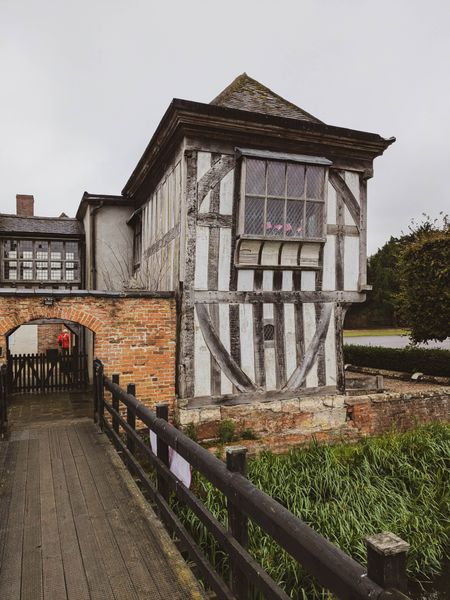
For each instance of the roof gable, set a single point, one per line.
(245, 93)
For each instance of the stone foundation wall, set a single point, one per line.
(281, 424)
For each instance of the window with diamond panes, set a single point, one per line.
(283, 199)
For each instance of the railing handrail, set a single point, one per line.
(332, 567)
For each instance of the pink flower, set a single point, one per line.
(288, 227)
(268, 225)
(278, 226)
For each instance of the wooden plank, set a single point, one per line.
(139, 543)
(10, 452)
(91, 551)
(74, 573)
(117, 571)
(246, 297)
(52, 561)
(31, 585)
(115, 504)
(11, 565)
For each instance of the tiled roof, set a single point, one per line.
(245, 93)
(46, 226)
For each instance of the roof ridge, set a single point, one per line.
(36, 217)
(230, 96)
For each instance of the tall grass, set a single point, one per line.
(398, 483)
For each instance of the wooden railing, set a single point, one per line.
(332, 568)
(3, 400)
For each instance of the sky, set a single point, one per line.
(84, 85)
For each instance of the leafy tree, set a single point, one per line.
(382, 274)
(423, 300)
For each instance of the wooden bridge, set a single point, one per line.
(74, 525)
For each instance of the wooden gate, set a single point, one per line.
(49, 372)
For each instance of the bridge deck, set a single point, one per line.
(73, 524)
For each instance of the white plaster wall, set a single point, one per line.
(114, 247)
(24, 340)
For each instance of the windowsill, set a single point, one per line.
(278, 267)
(280, 238)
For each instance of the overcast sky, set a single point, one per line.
(84, 85)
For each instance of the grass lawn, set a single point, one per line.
(374, 332)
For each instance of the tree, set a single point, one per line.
(380, 309)
(423, 300)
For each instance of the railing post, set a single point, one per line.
(115, 403)
(95, 367)
(236, 458)
(162, 412)
(386, 561)
(101, 396)
(131, 417)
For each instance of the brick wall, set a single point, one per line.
(378, 413)
(47, 336)
(134, 336)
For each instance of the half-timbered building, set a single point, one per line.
(255, 213)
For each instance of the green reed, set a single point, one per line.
(397, 482)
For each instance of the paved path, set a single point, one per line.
(73, 524)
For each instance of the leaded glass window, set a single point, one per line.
(284, 199)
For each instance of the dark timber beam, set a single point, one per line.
(223, 358)
(254, 297)
(349, 199)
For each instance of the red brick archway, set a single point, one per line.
(134, 333)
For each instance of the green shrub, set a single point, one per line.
(410, 360)
(249, 434)
(191, 431)
(226, 431)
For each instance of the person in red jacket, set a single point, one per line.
(64, 341)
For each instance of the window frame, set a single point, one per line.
(37, 262)
(285, 159)
(137, 242)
